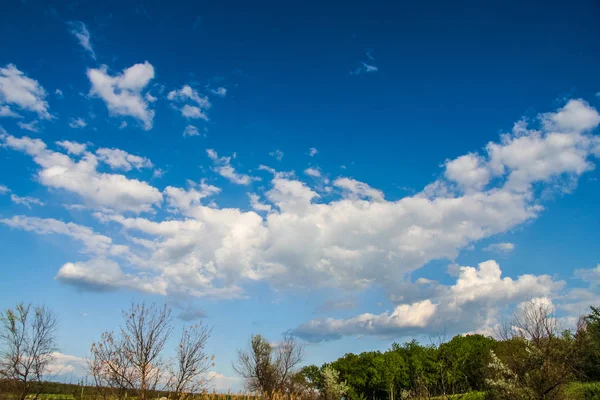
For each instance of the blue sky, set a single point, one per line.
(355, 174)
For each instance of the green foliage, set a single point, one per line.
(589, 338)
(333, 387)
(583, 391)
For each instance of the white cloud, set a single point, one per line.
(26, 201)
(278, 154)
(4, 189)
(468, 171)
(191, 130)
(123, 125)
(193, 112)
(150, 98)
(222, 166)
(224, 384)
(99, 190)
(353, 239)
(502, 247)
(80, 31)
(183, 200)
(64, 364)
(364, 67)
(313, 172)
(21, 91)
(312, 152)
(73, 147)
(93, 243)
(77, 123)
(158, 173)
(470, 304)
(122, 93)
(576, 116)
(404, 318)
(220, 91)
(30, 126)
(188, 94)
(356, 190)
(101, 274)
(5, 111)
(120, 159)
(59, 93)
(589, 275)
(256, 204)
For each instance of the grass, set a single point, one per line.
(464, 396)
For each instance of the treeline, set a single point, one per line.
(531, 360)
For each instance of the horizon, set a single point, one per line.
(353, 175)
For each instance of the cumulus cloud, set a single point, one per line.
(77, 123)
(312, 152)
(256, 204)
(80, 31)
(576, 116)
(353, 239)
(475, 299)
(122, 92)
(26, 201)
(64, 364)
(315, 173)
(120, 159)
(183, 200)
(18, 90)
(502, 247)
(99, 190)
(4, 189)
(74, 148)
(101, 274)
(222, 166)
(468, 171)
(187, 94)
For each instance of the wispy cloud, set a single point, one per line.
(25, 200)
(503, 247)
(29, 126)
(365, 67)
(80, 31)
(278, 154)
(222, 165)
(77, 123)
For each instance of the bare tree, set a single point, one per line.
(191, 362)
(27, 341)
(268, 368)
(132, 361)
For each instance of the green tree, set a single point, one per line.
(463, 361)
(333, 387)
(588, 340)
